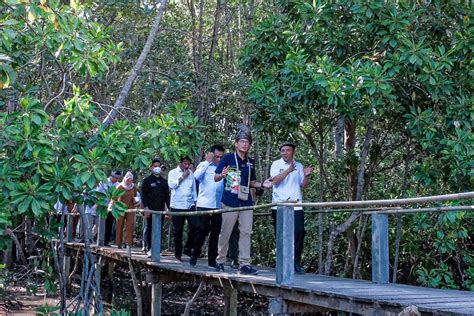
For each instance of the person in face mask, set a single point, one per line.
(155, 196)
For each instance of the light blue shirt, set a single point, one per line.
(210, 192)
(183, 195)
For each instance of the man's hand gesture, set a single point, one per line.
(292, 167)
(209, 157)
(186, 173)
(224, 172)
(308, 171)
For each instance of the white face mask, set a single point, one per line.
(157, 170)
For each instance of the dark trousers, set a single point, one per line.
(209, 225)
(299, 233)
(233, 253)
(109, 222)
(178, 226)
(147, 230)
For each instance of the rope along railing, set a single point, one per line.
(378, 209)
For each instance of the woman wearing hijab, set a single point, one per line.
(128, 186)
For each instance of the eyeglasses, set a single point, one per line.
(243, 141)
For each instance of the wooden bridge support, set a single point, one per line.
(380, 264)
(156, 296)
(285, 261)
(230, 301)
(156, 238)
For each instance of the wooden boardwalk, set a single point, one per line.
(309, 292)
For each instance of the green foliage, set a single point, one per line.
(402, 67)
(48, 310)
(61, 34)
(42, 162)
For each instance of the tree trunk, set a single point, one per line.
(398, 229)
(322, 190)
(357, 181)
(137, 68)
(9, 232)
(339, 136)
(30, 246)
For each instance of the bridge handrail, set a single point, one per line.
(374, 203)
(379, 209)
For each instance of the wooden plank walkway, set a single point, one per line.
(358, 296)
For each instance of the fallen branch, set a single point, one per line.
(187, 309)
(76, 264)
(137, 67)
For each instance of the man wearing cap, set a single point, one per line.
(113, 180)
(156, 197)
(183, 197)
(288, 177)
(238, 172)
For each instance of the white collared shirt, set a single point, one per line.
(290, 187)
(210, 192)
(183, 195)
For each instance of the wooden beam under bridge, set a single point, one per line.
(357, 296)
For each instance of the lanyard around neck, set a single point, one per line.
(237, 165)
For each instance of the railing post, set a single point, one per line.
(285, 263)
(380, 265)
(101, 230)
(156, 237)
(69, 221)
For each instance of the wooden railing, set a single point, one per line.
(378, 209)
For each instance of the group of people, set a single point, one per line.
(223, 180)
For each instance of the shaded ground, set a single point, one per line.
(120, 295)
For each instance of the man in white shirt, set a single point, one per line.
(209, 198)
(183, 196)
(288, 177)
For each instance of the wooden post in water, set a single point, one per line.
(285, 263)
(156, 287)
(380, 265)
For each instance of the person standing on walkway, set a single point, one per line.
(288, 178)
(156, 197)
(209, 198)
(114, 180)
(128, 198)
(238, 170)
(183, 197)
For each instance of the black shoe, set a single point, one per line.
(193, 260)
(178, 257)
(247, 269)
(220, 267)
(234, 264)
(212, 264)
(188, 252)
(299, 269)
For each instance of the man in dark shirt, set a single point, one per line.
(155, 196)
(238, 170)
